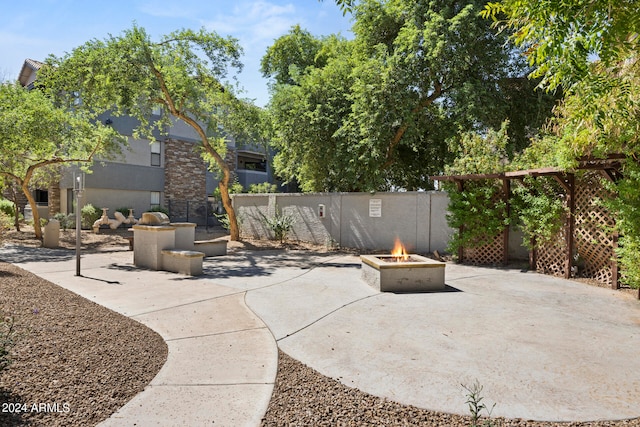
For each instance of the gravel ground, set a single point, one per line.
(86, 361)
(303, 397)
(74, 362)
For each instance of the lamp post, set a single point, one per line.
(78, 187)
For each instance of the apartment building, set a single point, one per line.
(168, 172)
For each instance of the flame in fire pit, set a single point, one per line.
(399, 253)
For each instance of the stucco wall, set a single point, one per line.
(351, 219)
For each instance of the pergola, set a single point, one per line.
(609, 167)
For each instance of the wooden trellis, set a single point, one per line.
(585, 246)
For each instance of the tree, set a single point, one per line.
(379, 113)
(563, 38)
(36, 136)
(185, 73)
(590, 49)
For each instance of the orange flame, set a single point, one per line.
(399, 252)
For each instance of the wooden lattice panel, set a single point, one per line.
(551, 255)
(593, 223)
(489, 254)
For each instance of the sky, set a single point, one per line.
(38, 28)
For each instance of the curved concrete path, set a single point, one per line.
(222, 359)
(543, 348)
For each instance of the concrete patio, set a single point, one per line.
(543, 348)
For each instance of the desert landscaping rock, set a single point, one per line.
(74, 362)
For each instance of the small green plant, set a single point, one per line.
(224, 220)
(280, 224)
(89, 215)
(7, 339)
(157, 209)
(477, 406)
(234, 188)
(66, 221)
(263, 187)
(124, 211)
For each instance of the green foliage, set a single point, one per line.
(7, 207)
(562, 37)
(234, 188)
(476, 405)
(264, 187)
(376, 112)
(66, 221)
(280, 224)
(161, 209)
(481, 209)
(7, 340)
(539, 207)
(124, 210)
(477, 154)
(186, 73)
(37, 135)
(626, 205)
(89, 214)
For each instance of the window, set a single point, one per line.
(155, 154)
(155, 199)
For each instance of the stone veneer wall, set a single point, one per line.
(185, 176)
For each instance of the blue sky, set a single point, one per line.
(38, 28)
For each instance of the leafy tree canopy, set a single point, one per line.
(378, 111)
(36, 135)
(189, 74)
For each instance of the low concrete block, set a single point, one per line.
(185, 234)
(148, 242)
(419, 275)
(211, 247)
(182, 261)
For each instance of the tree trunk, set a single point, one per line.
(34, 209)
(14, 199)
(234, 230)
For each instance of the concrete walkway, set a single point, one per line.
(543, 348)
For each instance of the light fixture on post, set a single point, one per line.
(78, 188)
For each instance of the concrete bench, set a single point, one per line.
(182, 261)
(211, 247)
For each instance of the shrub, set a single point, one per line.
(234, 188)
(89, 214)
(625, 207)
(224, 220)
(124, 211)
(8, 208)
(66, 221)
(280, 224)
(263, 187)
(157, 209)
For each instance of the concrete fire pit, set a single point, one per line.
(389, 273)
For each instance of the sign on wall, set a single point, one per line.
(375, 208)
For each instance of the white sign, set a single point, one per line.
(375, 208)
